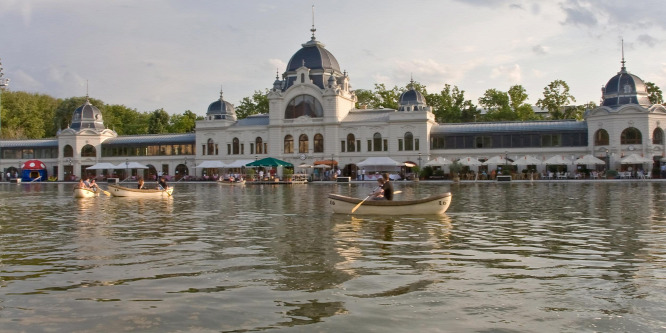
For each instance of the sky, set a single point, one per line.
(178, 55)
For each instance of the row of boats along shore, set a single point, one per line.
(433, 205)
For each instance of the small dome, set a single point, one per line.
(87, 116)
(625, 88)
(221, 109)
(412, 97)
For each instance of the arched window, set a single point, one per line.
(235, 146)
(303, 105)
(409, 141)
(68, 151)
(318, 143)
(303, 144)
(377, 142)
(351, 142)
(258, 142)
(601, 138)
(88, 151)
(631, 136)
(288, 144)
(210, 147)
(658, 136)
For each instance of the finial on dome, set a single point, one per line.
(313, 27)
(623, 69)
(87, 99)
(411, 81)
(277, 73)
(221, 92)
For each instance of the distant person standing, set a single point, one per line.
(363, 174)
(387, 187)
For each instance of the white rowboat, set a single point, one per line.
(437, 204)
(80, 192)
(120, 191)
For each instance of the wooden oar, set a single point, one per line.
(103, 191)
(163, 189)
(360, 203)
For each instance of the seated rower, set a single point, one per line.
(378, 193)
(140, 184)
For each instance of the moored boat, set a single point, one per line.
(121, 191)
(436, 204)
(81, 192)
(229, 182)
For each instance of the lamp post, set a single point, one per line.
(419, 161)
(126, 168)
(607, 160)
(3, 85)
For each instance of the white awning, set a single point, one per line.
(103, 165)
(379, 161)
(130, 165)
(210, 164)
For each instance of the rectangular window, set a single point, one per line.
(242, 148)
(228, 149)
(342, 146)
(203, 149)
(358, 144)
(369, 145)
(385, 144)
(251, 148)
(399, 144)
(266, 148)
(416, 144)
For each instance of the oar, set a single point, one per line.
(163, 189)
(360, 203)
(103, 191)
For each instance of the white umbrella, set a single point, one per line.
(238, 164)
(379, 161)
(439, 161)
(210, 164)
(557, 160)
(635, 159)
(469, 161)
(305, 166)
(103, 165)
(322, 166)
(589, 160)
(527, 160)
(496, 160)
(130, 165)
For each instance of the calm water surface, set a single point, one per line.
(541, 257)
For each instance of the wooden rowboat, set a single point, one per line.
(228, 182)
(436, 204)
(120, 191)
(80, 192)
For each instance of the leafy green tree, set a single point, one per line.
(387, 98)
(27, 115)
(158, 122)
(364, 98)
(497, 105)
(517, 102)
(184, 123)
(555, 97)
(257, 104)
(654, 93)
(450, 106)
(124, 120)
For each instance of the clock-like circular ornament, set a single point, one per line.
(302, 157)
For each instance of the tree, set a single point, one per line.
(158, 122)
(450, 106)
(497, 105)
(517, 98)
(27, 115)
(184, 123)
(257, 104)
(125, 121)
(555, 97)
(654, 93)
(364, 98)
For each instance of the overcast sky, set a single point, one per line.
(176, 55)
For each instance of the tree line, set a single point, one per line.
(35, 116)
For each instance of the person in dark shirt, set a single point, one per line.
(162, 184)
(387, 187)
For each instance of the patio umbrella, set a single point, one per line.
(469, 161)
(527, 160)
(557, 160)
(130, 165)
(379, 161)
(439, 161)
(269, 162)
(635, 159)
(210, 164)
(496, 160)
(589, 160)
(102, 165)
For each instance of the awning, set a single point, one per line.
(210, 164)
(439, 161)
(102, 166)
(589, 160)
(238, 164)
(557, 160)
(130, 165)
(379, 161)
(527, 160)
(326, 162)
(635, 159)
(269, 162)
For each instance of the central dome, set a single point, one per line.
(314, 56)
(625, 88)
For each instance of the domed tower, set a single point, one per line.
(221, 109)
(87, 116)
(624, 88)
(413, 100)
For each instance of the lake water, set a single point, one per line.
(518, 257)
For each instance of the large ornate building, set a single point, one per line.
(312, 117)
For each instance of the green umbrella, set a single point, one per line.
(269, 162)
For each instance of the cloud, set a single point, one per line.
(647, 40)
(577, 14)
(513, 74)
(278, 64)
(540, 49)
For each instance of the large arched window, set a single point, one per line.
(303, 144)
(303, 105)
(601, 138)
(377, 142)
(318, 143)
(235, 146)
(88, 151)
(409, 141)
(631, 136)
(210, 147)
(351, 142)
(68, 151)
(288, 144)
(258, 142)
(658, 136)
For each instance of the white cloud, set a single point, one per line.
(511, 74)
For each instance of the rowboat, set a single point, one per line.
(121, 191)
(228, 182)
(81, 192)
(436, 204)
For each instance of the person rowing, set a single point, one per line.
(378, 192)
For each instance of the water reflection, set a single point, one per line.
(580, 257)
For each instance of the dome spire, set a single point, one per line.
(221, 93)
(313, 26)
(623, 62)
